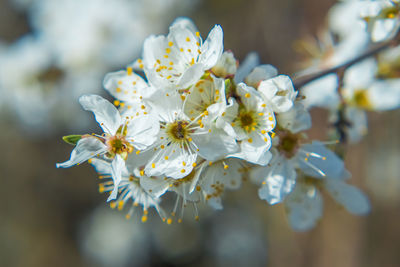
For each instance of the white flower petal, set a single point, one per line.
(256, 151)
(358, 124)
(105, 113)
(349, 196)
(226, 65)
(183, 22)
(191, 75)
(304, 207)
(297, 119)
(279, 92)
(215, 145)
(321, 93)
(143, 130)
(360, 76)
(212, 48)
(126, 87)
(117, 166)
(86, 148)
(385, 95)
(260, 73)
(246, 66)
(318, 161)
(383, 29)
(178, 165)
(279, 179)
(156, 186)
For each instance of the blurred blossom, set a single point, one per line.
(108, 239)
(99, 33)
(72, 45)
(362, 90)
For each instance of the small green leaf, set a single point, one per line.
(72, 139)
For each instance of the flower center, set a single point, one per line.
(178, 130)
(288, 144)
(247, 121)
(361, 99)
(118, 145)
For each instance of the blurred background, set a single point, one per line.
(51, 52)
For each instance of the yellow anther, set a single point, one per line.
(271, 118)
(137, 152)
(187, 39)
(226, 167)
(142, 106)
(127, 216)
(129, 70)
(90, 161)
(250, 140)
(183, 171)
(168, 50)
(169, 221)
(247, 95)
(118, 90)
(169, 77)
(181, 49)
(144, 218)
(170, 43)
(190, 139)
(120, 205)
(263, 131)
(166, 157)
(273, 135)
(196, 218)
(263, 105)
(116, 103)
(141, 66)
(141, 173)
(101, 188)
(153, 165)
(194, 164)
(119, 82)
(183, 97)
(113, 204)
(183, 163)
(162, 146)
(179, 220)
(198, 188)
(260, 114)
(171, 63)
(210, 163)
(197, 34)
(323, 158)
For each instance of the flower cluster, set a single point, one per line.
(189, 119)
(371, 84)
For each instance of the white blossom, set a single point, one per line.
(179, 59)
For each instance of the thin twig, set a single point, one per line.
(303, 80)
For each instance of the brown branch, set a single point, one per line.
(303, 80)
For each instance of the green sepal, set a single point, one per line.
(72, 139)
